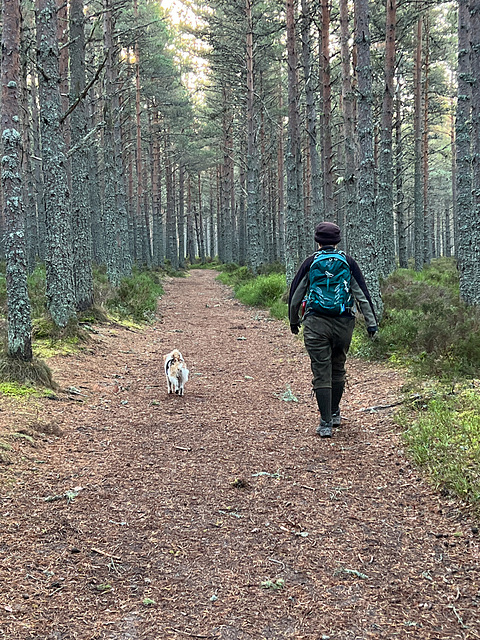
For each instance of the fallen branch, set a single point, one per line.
(190, 635)
(104, 553)
(379, 407)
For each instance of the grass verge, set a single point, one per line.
(267, 290)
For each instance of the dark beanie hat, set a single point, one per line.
(327, 233)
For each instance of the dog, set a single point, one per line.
(176, 372)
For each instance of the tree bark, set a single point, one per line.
(465, 250)
(294, 209)
(400, 196)
(385, 208)
(428, 217)
(181, 215)
(419, 225)
(81, 219)
(328, 178)
(471, 235)
(364, 234)
(111, 229)
(254, 259)
(58, 260)
(315, 174)
(348, 100)
(18, 315)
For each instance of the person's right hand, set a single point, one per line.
(294, 328)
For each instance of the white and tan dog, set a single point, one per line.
(176, 372)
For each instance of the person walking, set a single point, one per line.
(323, 297)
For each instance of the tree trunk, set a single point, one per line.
(111, 230)
(81, 220)
(400, 197)
(385, 208)
(295, 209)
(157, 222)
(125, 249)
(418, 188)
(191, 254)
(451, 231)
(94, 199)
(181, 216)
(63, 43)
(18, 315)
(242, 221)
(254, 259)
(311, 113)
(212, 219)
(171, 225)
(448, 231)
(363, 239)
(348, 100)
(471, 244)
(58, 261)
(281, 178)
(465, 248)
(29, 196)
(328, 178)
(39, 186)
(200, 218)
(428, 217)
(142, 216)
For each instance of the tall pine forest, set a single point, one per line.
(147, 134)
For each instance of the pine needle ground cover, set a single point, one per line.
(221, 514)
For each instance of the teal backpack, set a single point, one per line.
(329, 292)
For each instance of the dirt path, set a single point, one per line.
(188, 506)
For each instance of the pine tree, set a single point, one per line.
(19, 321)
(471, 236)
(363, 230)
(254, 255)
(386, 237)
(418, 174)
(81, 219)
(348, 101)
(311, 114)
(58, 260)
(293, 163)
(465, 250)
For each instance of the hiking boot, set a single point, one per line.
(325, 429)
(336, 418)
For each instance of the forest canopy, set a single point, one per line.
(150, 134)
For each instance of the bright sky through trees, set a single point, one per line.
(188, 48)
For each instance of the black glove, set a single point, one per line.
(372, 332)
(294, 328)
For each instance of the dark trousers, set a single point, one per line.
(327, 341)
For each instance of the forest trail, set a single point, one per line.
(221, 514)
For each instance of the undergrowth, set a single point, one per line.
(443, 437)
(133, 301)
(266, 290)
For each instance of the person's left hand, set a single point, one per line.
(294, 328)
(372, 332)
